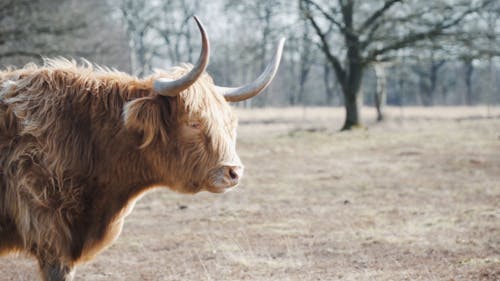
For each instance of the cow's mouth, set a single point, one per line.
(220, 189)
(219, 185)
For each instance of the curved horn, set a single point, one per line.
(171, 88)
(254, 88)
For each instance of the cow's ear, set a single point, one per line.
(144, 117)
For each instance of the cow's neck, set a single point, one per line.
(123, 179)
(117, 186)
(121, 175)
(121, 172)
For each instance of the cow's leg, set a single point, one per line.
(9, 241)
(9, 238)
(56, 271)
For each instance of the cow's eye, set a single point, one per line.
(195, 125)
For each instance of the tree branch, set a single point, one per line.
(435, 31)
(20, 53)
(341, 27)
(324, 45)
(377, 14)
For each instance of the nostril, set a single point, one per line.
(232, 174)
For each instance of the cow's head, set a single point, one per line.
(187, 129)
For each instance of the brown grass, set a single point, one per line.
(414, 198)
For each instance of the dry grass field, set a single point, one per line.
(414, 198)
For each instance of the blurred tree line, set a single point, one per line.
(338, 52)
(32, 29)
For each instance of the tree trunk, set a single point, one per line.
(380, 92)
(352, 103)
(304, 73)
(425, 97)
(469, 69)
(428, 82)
(433, 82)
(329, 89)
(352, 97)
(353, 72)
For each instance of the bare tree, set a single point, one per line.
(138, 18)
(260, 20)
(428, 73)
(32, 29)
(381, 89)
(302, 57)
(328, 83)
(372, 31)
(26, 28)
(175, 27)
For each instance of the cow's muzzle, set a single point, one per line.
(225, 177)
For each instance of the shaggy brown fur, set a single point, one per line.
(78, 144)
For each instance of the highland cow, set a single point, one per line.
(80, 143)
